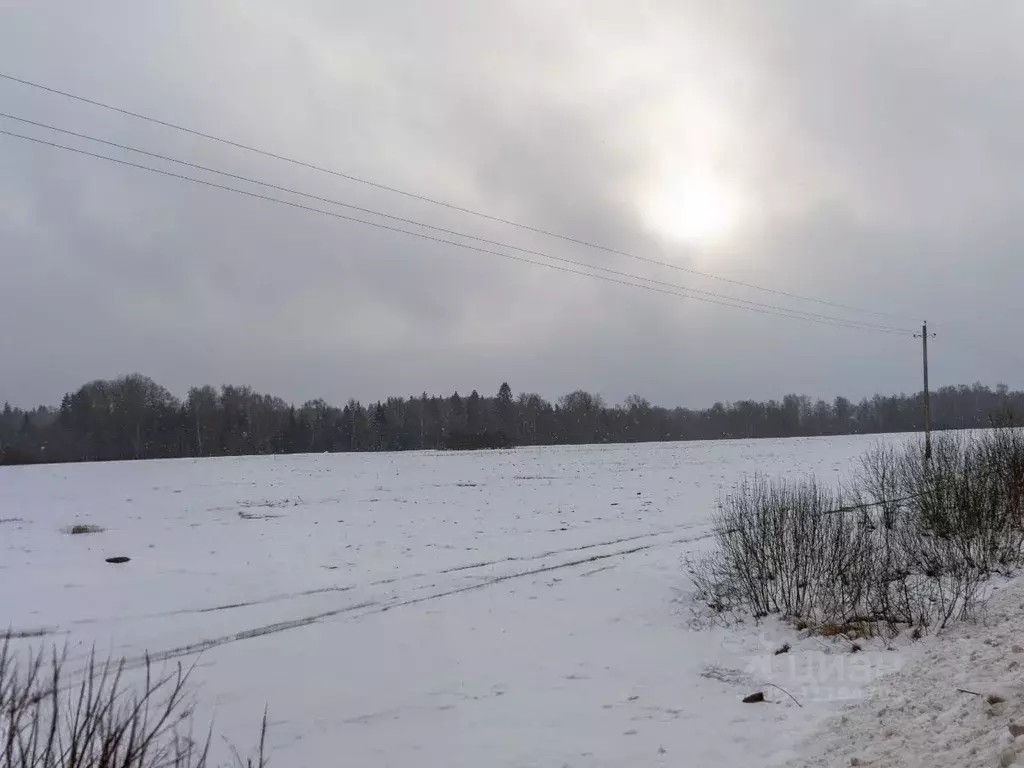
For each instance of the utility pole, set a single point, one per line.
(927, 396)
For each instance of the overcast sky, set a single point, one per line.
(866, 153)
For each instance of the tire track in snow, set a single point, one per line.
(200, 646)
(216, 608)
(305, 621)
(535, 571)
(246, 634)
(284, 596)
(549, 553)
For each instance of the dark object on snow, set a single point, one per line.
(754, 698)
(81, 528)
(119, 559)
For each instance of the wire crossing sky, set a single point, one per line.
(680, 290)
(812, 166)
(432, 201)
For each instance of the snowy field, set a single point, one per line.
(513, 608)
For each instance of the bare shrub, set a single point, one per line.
(46, 721)
(970, 495)
(949, 522)
(908, 542)
(783, 548)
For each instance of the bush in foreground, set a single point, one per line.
(100, 721)
(970, 494)
(909, 542)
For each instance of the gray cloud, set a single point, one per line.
(874, 152)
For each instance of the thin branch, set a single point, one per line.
(773, 685)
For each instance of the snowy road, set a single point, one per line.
(513, 608)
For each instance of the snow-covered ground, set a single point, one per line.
(952, 707)
(514, 608)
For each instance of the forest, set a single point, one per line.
(133, 417)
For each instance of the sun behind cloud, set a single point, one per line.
(694, 188)
(695, 210)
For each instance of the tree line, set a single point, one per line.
(133, 417)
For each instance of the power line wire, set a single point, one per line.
(442, 203)
(454, 233)
(779, 312)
